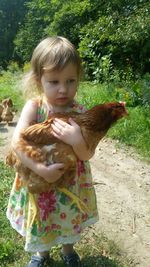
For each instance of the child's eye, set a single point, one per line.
(71, 81)
(53, 82)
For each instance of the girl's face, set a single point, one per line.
(60, 86)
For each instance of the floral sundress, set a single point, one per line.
(58, 219)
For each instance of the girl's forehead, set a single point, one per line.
(69, 70)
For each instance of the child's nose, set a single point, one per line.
(63, 88)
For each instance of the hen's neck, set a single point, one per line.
(96, 120)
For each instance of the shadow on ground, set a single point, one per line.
(96, 261)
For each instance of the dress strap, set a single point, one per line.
(41, 111)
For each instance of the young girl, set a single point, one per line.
(55, 73)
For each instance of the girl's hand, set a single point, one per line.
(68, 133)
(50, 173)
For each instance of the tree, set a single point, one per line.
(122, 37)
(11, 17)
(110, 35)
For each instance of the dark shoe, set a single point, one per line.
(39, 261)
(72, 259)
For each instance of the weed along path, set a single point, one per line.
(122, 183)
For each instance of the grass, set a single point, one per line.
(139, 120)
(9, 87)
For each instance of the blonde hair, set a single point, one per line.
(50, 54)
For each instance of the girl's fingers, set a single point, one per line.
(60, 123)
(60, 166)
(55, 128)
(72, 122)
(58, 128)
(55, 134)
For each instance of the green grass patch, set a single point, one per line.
(134, 130)
(90, 94)
(9, 87)
(10, 250)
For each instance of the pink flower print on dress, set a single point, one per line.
(47, 228)
(81, 168)
(72, 182)
(77, 228)
(63, 215)
(47, 204)
(84, 217)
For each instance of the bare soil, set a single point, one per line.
(123, 195)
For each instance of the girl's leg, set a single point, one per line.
(70, 257)
(39, 259)
(43, 254)
(68, 249)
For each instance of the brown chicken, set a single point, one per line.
(39, 144)
(7, 113)
(7, 102)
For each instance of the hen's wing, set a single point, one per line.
(92, 138)
(39, 133)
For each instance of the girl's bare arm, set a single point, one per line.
(50, 173)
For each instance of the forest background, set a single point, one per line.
(113, 37)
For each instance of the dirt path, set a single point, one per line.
(123, 199)
(122, 193)
(6, 132)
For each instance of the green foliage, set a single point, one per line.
(10, 86)
(145, 88)
(90, 94)
(139, 120)
(32, 30)
(123, 38)
(6, 249)
(11, 16)
(112, 36)
(133, 93)
(10, 251)
(69, 19)
(97, 250)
